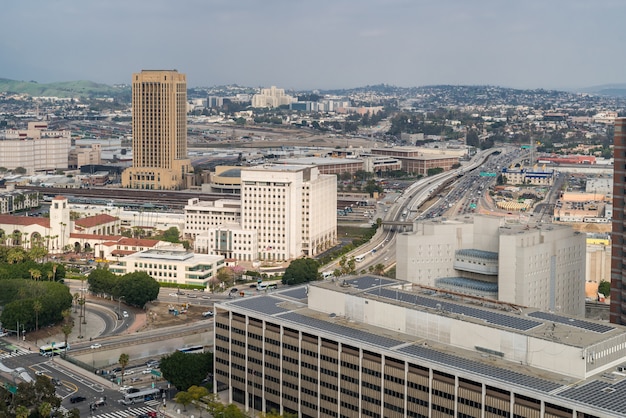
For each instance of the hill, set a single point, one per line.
(77, 89)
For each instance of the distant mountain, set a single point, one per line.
(77, 89)
(610, 90)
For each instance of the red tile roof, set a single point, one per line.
(115, 238)
(138, 242)
(95, 220)
(24, 221)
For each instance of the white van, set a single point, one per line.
(327, 274)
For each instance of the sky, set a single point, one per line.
(319, 44)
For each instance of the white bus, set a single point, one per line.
(141, 396)
(267, 285)
(53, 349)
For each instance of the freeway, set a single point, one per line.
(381, 248)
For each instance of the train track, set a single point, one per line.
(160, 198)
(164, 199)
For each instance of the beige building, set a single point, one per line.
(420, 160)
(160, 160)
(292, 208)
(35, 149)
(371, 346)
(85, 155)
(272, 97)
(541, 266)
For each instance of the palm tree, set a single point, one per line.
(37, 308)
(379, 269)
(68, 323)
(76, 297)
(123, 361)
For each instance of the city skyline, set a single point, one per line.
(325, 45)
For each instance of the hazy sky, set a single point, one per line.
(307, 44)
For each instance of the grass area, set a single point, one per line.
(348, 231)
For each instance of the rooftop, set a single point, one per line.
(436, 312)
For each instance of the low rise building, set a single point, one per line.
(173, 266)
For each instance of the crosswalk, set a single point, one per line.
(132, 412)
(14, 353)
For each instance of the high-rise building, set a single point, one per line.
(159, 132)
(618, 271)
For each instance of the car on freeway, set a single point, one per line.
(146, 371)
(96, 345)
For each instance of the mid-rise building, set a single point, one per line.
(618, 268)
(35, 149)
(378, 347)
(200, 216)
(160, 162)
(272, 97)
(291, 207)
(538, 265)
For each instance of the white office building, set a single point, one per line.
(201, 216)
(540, 266)
(173, 265)
(292, 208)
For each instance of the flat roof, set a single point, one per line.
(289, 306)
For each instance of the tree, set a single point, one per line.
(137, 288)
(197, 393)
(123, 361)
(102, 281)
(37, 308)
(184, 370)
(301, 270)
(605, 288)
(183, 398)
(171, 235)
(224, 275)
(379, 269)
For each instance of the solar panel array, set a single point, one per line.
(490, 317)
(295, 293)
(342, 330)
(366, 282)
(589, 326)
(594, 393)
(263, 304)
(479, 368)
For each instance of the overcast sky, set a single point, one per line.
(309, 44)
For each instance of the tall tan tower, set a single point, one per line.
(159, 132)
